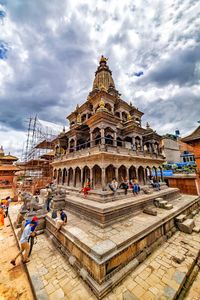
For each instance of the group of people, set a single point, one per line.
(132, 184)
(4, 206)
(125, 185)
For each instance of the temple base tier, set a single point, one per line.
(104, 256)
(116, 208)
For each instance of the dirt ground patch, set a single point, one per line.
(13, 280)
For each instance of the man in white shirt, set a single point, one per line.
(113, 185)
(24, 243)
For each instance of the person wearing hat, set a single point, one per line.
(28, 231)
(35, 220)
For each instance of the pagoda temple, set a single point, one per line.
(108, 234)
(7, 173)
(106, 139)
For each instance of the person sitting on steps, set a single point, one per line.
(113, 185)
(135, 187)
(124, 185)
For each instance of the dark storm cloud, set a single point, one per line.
(178, 69)
(180, 111)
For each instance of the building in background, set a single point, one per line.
(193, 140)
(7, 175)
(176, 150)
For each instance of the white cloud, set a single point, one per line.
(54, 51)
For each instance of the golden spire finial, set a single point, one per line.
(129, 117)
(103, 59)
(102, 105)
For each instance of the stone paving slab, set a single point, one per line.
(158, 277)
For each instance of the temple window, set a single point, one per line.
(117, 114)
(138, 143)
(71, 145)
(124, 116)
(83, 118)
(109, 139)
(119, 142)
(108, 106)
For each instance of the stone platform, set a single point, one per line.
(118, 208)
(104, 256)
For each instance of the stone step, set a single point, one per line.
(156, 201)
(180, 218)
(168, 206)
(163, 203)
(187, 226)
(150, 211)
(196, 229)
(194, 213)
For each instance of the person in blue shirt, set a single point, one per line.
(28, 231)
(35, 220)
(62, 221)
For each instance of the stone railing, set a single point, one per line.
(110, 149)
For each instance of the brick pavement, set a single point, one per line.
(158, 277)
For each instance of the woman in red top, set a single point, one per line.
(86, 188)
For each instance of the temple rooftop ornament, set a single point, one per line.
(102, 106)
(103, 59)
(129, 117)
(103, 77)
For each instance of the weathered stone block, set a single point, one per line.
(194, 213)
(72, 260)
(168, 206)
(180, 218)
(150, 211)
(178, 258)
(187, 226)
(157, 201)
(163, 203)
(83, 273)
(196, 229)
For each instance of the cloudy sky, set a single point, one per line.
(49, 51)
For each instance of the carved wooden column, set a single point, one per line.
(117, 173)
(133, 143)
(91, 140)
(102, 136)
(73, 178)
(81, 177)
(75, 143)
(127, 173)
(103, 178)
(91, 178)
(115, 139)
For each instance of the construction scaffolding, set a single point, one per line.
(38, 154)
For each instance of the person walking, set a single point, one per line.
(24, 243)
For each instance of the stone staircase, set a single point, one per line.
(161, 203)
(186, 223)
